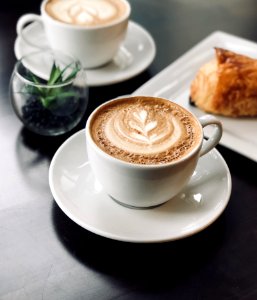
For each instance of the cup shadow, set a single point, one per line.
(34, 153)
(142, 265)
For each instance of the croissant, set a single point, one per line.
(227, 85)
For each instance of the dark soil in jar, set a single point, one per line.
(40, 119)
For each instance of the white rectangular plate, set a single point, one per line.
(240, 134)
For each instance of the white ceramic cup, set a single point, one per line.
(93, 46)
(145, 186)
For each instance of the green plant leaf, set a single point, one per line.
(61, 97)
(54, 75)
(48, 96)
(72, 75)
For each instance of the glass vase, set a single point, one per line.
(48, 91)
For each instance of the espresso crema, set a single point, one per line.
(145, 130)
(86, 12)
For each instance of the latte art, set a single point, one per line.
(145, 131)
(86, 12)
(142, 130)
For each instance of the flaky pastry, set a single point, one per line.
(227, 85)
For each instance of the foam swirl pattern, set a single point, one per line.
(142, 130)
(86, 12)
(145, 131)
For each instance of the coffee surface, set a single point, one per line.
(145, 130)
(86, 12)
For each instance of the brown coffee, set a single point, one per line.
(86, 12)
(145, 130)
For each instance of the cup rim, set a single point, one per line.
(27, 81)
(190, 154)
(83, 27)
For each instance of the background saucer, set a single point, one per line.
(82, 199)
(138, 43)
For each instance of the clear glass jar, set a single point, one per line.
(48, 91)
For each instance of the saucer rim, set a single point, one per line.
(126, 76)
(125, 238)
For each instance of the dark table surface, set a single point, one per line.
(45, 255)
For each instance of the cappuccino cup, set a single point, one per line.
(91, 31)
(143, 150)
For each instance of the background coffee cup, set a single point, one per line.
(92, 45)
(141, 186)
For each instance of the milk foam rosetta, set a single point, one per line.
(86, 12)
(145, 130)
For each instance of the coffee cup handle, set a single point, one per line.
(216, 135)
(21, 24)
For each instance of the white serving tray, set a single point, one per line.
(240, 134)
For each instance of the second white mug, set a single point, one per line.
(94, 44)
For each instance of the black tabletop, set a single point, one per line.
(45, 255)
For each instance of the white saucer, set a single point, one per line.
(139, 47)
(82, 199)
